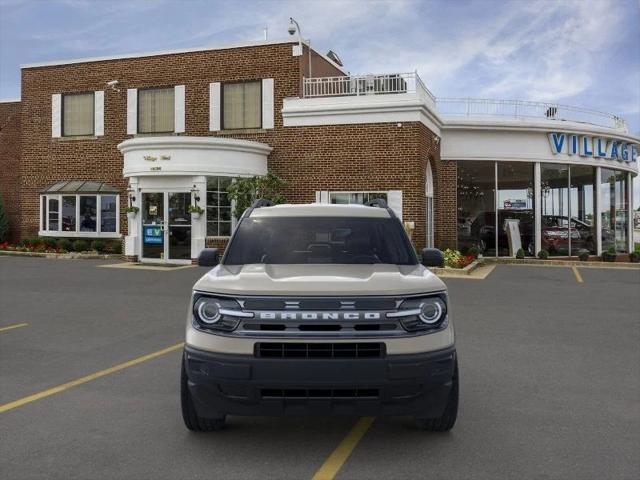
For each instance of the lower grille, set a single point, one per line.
(337, 393)
(320, 350)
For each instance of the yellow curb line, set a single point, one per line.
(333, 464)
(79, 381)
(577, 274)
(11, 327)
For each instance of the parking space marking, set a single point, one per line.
(577, 274)
(94, 376)
(333, 464)
(11, 327)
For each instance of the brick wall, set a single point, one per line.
(10, 164)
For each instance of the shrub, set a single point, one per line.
(543, 254)
(451, 258)
(4, 223)
(50, 243)
(583, 255)
(520, 253)
(65, 244)
(80, 246)
(634, 257)
(98, 245)
(116, 247)
(245, 190)
(474, 252)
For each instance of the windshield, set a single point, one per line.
(338, 240)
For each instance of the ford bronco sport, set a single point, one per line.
(319, 309)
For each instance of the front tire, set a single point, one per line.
(191, 419)
(447, 420)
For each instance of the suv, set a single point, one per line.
(319, 309)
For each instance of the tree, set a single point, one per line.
(245, 190)
(4, 222)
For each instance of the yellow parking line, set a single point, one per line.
(11, 327)
(79, 381)
(333, 464)
(576, 273)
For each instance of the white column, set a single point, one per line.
(630, 212)
(598, 212)
(537, 206)
(199, 227)
(132, 241)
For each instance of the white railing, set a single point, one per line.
(474, 107)
(355, 85)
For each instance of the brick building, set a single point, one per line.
(168, 130)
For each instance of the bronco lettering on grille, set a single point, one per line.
(319, 315)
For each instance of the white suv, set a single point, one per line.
(319, 309)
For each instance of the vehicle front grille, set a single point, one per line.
(319, 350)
(333, 393)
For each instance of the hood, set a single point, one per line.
(319, 280)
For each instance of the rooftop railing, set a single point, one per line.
(399, 83)
(357, 85)
(477, 107)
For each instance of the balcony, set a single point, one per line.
(404, 86)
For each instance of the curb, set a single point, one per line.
(562, 263)
(63, 256)
(458, 271)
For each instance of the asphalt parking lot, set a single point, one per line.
(549, 371)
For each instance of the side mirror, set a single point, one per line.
(208, 257)
(432, 257)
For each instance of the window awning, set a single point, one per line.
(80, 186)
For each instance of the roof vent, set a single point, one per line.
(333, 56)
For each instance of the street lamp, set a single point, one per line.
(293, 28)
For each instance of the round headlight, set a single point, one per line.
(208, 310)
(431, 311)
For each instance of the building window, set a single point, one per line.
(359, 198)
(614, 210)
(218, 207)
(242, 105)
(78, 114)
(477, 206)
(156, 110)
(515, 204)
(78, 215)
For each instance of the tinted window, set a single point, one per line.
(337, 240)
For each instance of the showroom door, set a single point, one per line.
(166, 227)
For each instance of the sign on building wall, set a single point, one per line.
(153, 235)
(589, 146)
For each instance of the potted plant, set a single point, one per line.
(610, 255)
(520, 253)
(131, 212)
(635, 255)
(583, 255)
(195, 211)
(543, 254)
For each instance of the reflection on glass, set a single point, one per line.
(88, 214)
(615, 210)
(108, 213)
(69, 214)
(582, 208)
(515, 203)
(179, 226)
(218, 207)
(152, 225)
(476, 206)
(555, 208)
(54, 204)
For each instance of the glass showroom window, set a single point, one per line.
(615, 210)
(156, 110)
(77, 114)
(477, 206)
(218, 207)
(582, 208)
(359, 198)
(555, 208)
(78, 215)
(515, 203)
(242, 105)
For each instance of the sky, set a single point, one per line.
(577, 52)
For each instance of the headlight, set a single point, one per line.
(426, 313)
(215, 313)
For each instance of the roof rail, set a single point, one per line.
(380, 203)
(259, 203)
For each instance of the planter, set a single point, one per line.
(634, 257)
(195, 215)
(609, 257)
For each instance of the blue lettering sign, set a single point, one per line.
(153, 235)
(557, 142)
(573, 146)
(614, 155)
(601, 150)
(586, 147)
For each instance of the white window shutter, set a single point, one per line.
(98, 112)
(56, 115)
(179, 92)
(324, 197)
(214, 106)
(132, 111)
(394, 200)
(267, 103)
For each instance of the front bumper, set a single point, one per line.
(415, 384)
